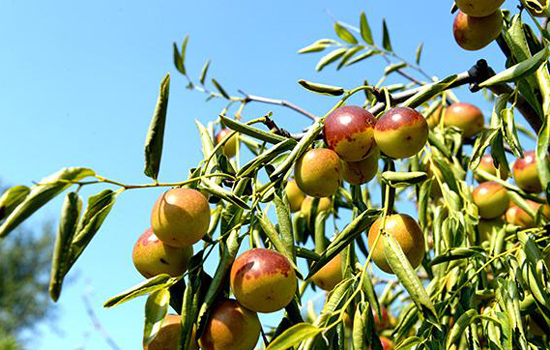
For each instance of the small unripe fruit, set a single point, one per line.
(263, 280)
(330, 275)
(406, 231)
(464, 116)
(230, 147)
(168, 336)
(478, 8)
(349, 131)
(318, 172)
(488, 166)
(526, 174)
(361, 172)
(491, 199)
(401, 132)
(488, 227)
(474, 33)
(307, 206)
(519, 217)
(295, 195)
(152, 257)
(230, 327)
(180, 217)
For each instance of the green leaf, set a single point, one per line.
(509, 131)
(329, 58)
(155, 135)
(204, 71)
(457, 254)
(294, 336)
(220, 89)
(429, 91)
(403, 179)
(386, 42)
(394, 67)
(11, 199)
(344, 34)
(419, 53)
(96, 212)
(361, 57)
(251, 131)
(318, 46)
(348, 55)
(321, 88)
(465, 320)
(41, 194)
(151, 285)
(61, 255)
(156, 309)
(183, 49)
(365, 29)
(541, 152)
(266, 157)
(178, 62)
(275, 238)
(282, 208)
(402, 268)
(221, 192)
(518, 71)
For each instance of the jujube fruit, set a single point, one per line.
(230, 146)
(168, 336)
(488, 227)
(478, 8)
(323, 204)
(330, 275)
(318, 172)
(180, 217)
(526, 174)
(401, 132)
(474, 33)
(263, 280)
(408, 234)
(361, 172)
(464, 116)
(519, 217)
(230, 327)
(491, 199)
(488, 166)
(295, 195)
(349, 131)
(152, 257)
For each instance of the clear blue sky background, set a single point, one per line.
(79, 82)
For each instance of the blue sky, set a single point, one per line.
(79, 82)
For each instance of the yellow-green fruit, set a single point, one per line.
(491, 199)
(330, 275)
(488, 227)
(263, 280)
(318, 172)
(307, 205)
(230, 147)
(230, 327)
(474, 33)
(488, 166)
(434, 118)
(152, 257)
(478, 8)
(464, 116)
(401, 132)
(180, 217)
(349, 131)
(406, 231)
(519, 217)
(168, 336)
(538, 8)
(361, 172)
(295, 195)
(526, 174)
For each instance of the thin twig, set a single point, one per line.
(274, 101)
(97, 324)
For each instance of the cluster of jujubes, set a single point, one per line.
(477, 23)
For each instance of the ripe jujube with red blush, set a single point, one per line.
(230, 327)
(466, 117)
(519, 217)
(168, 336)
(526, 174)
(474, 33)
(230, 146)
(263, 280)
(152, 257)
(361, 172)
(180, 217)
(491, 199)
(318, 172)
(401, 132)
(349, 131)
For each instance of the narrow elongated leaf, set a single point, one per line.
(459, 327)
(344, 34)
(184, 49)
(41, 194)
(329, 58)
(419, 53)
(317, 46)
(429, 91)
(519, 70)
(282, 208)
(394, 67)
(541, 152)
(386, 42)
(156, 309)
(365, 29)
(403, 179)
(321, 88)
(266, 157)
(221, 192)
(220, 89)
(348, 55)
(252, 131)
(178, 61)
(361, 57)
(510, 133)
(204, 71)
(457, 254)
(155, 135)
(61, 254)
(151, 285)
(11, 199)
(294, 336)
